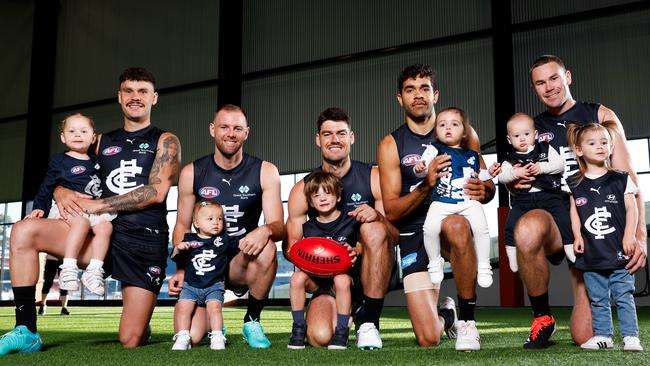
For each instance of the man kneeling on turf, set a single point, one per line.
(323, 191)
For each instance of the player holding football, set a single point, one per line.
(323, 191)
(405, 196)
(244, 186)
(361, 199)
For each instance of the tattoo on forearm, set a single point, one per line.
(131, 201)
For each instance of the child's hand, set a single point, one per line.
(534, 168)
(182, 246)
(522, 171)
(36, 214)
(629, 245)
(578, 246)
(352, 253)
(494, 169)
(420, 167)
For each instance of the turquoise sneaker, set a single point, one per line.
(253, 334)
(20, 340)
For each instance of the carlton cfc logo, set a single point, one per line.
(410, 159)
(208, 192)
(77, 169)
(581, 201)
(111, 150)
(546, 137)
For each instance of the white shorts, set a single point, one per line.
(93, 218)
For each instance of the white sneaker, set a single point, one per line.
(468, 337)
(598, 342)
(632, 344)
(448, 303)
(435, 269)
(217, 341)
(484, 276)
(93, 280)
(182, 341)
(368, 337)
(69, 278)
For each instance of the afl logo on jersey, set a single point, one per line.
(546, 137)
(580, 201)
(209, 192)
(410, 159)
(111, 150)
(77, 169)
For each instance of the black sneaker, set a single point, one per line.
(298, 333)
(541, 331)
(340, 338)
(42, 309)
(64, 311)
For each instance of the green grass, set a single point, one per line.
(89, 336)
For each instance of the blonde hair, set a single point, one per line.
(575, 135)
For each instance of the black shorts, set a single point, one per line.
(413, 255)
(138, 258)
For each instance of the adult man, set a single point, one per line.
(139, 164)
(245, 186)
(536, 234)
(405, 201)
(362, 200)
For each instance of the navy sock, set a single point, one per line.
(466, 308)
(448, 316)
(298, 316)
(540, 305)
(254, 309)
(373, 309)
(25, 300)
(342, 320)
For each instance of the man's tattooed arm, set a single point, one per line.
(164, 173)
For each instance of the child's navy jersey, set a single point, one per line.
(464, 162)
(126, 159)
(206, 261)
(410, 147)
(345, 229)
(237, 190)
(357, 188)
(601, 206)
(539, 154)
(552, 129)
(72, 173)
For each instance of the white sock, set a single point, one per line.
(95, 264)
(70, 262)
(217, 333)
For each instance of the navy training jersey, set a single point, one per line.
(205, 261)
(344, 229)
(126, 159)
(539, 154)
(357, 188)
(237, 190)
(464, 162)
(552, 129)
(76, 174)
(601, 207)
(410, 147)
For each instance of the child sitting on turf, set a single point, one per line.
(323, 192)
(76, 170)
(448, 197)
(204, 256)
(530, 158)
(604, 220)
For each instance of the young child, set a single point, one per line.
(530, 158)
(76, 170)
(448, 197)
(50, 269)
(204, 256)
(604, 219)
(323, 191)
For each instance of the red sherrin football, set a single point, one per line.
(320, 257)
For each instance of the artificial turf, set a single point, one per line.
(89, 337)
